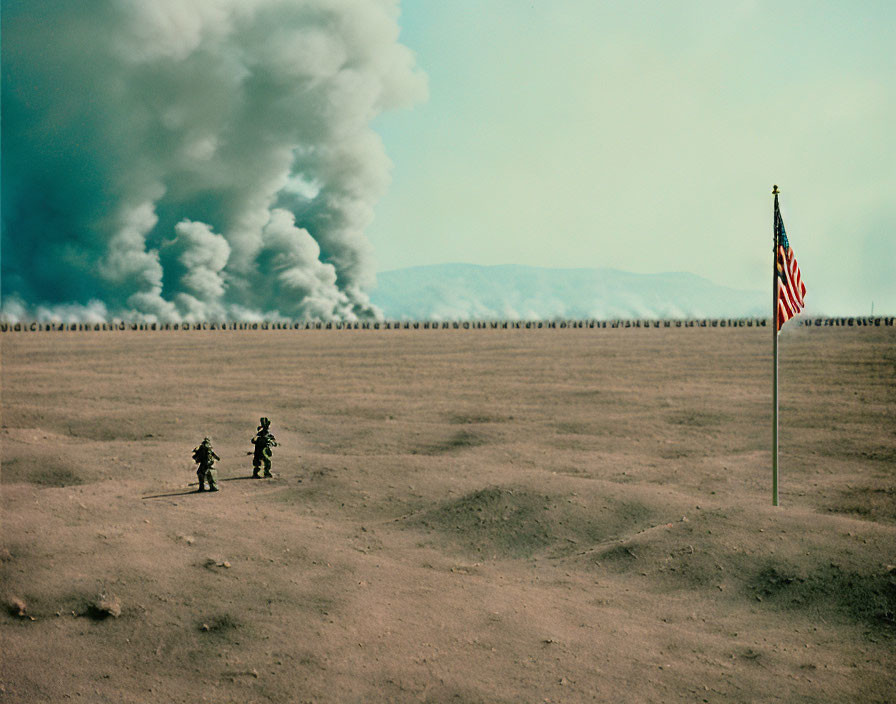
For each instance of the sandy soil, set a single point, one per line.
(480, 516)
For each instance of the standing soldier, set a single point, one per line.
(205, 457)
(263, 442)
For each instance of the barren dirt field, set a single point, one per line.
(456, 516)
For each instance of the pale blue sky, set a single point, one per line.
(647, 137)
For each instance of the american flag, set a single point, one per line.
(791, 290)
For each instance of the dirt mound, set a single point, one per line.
(868, 599)
(51, 471)
(461, 440)
(219, 624)
(517, 522)
(692, 418)
(873, 503)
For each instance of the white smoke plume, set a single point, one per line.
(195, 159)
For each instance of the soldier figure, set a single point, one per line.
(263, 442)
(205, 457)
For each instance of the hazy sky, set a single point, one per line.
(204, 159)
(647, 137)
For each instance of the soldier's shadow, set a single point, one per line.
(177, 493)
(193, 491)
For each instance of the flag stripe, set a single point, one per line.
(791, 290)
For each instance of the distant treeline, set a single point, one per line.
(440, 325)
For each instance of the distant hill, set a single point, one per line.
(471, 292)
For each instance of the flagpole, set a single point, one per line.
(775, 354)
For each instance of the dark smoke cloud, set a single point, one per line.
(195, 159)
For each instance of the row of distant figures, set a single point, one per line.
(879, 321)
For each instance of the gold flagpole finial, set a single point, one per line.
(775, 190)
